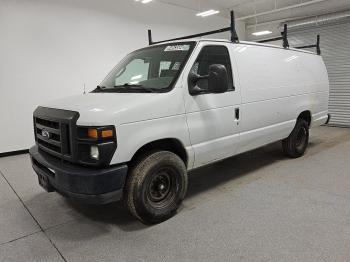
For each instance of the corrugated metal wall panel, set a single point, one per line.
(335, 48)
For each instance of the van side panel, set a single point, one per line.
(276, 86)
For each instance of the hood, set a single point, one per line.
(121, 108)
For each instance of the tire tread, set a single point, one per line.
(137, 175)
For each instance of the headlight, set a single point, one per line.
(96, 144)
(94, 153)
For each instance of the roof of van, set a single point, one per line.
(240, 42)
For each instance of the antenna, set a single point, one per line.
(150, 42)
(84, 90)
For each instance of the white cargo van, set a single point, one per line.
(172, 107)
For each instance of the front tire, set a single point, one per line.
(156, 186)
(296, 143)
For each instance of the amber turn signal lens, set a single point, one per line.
(92, 133)
(107, 133)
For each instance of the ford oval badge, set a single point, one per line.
(45, 134)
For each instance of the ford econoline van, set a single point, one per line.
(172, 107)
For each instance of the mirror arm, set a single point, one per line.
(195, 90)
(202, 77)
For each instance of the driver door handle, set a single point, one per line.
(237, 113)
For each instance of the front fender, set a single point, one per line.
(132, 136)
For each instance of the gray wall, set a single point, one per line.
(335, 49)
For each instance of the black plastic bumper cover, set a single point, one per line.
(90, 185)
(328, 118)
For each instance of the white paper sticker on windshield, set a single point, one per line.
(170, 48)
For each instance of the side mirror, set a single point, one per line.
(217, 80)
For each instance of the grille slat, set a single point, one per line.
(50, 129)
(48, 123)
(47, 146)
(51, 141)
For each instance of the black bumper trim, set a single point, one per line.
(90, 185)
(100, 199)
(328, 119)
(14, 153)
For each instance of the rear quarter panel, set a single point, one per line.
(276, 86)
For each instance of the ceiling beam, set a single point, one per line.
(279, 21)
(281, 9)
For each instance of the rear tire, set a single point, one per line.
(156, 186)
(296, 143)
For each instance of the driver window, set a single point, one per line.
(210, 55)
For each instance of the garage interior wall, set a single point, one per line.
(50, 48)
(335, 48)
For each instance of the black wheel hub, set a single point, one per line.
(159, 187)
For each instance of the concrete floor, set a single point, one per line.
(258, 206)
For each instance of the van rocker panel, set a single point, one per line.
(90, 185)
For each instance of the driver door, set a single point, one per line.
(212, 119)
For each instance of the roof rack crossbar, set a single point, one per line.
(283, 37)
(232, 29)
(270, 39)
(191, 36)
(317, 46)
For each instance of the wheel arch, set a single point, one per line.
(306, 115)
(173, 145)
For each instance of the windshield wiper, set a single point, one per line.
(98, 88)
(129, 84)
(126, 86)
(135, 87)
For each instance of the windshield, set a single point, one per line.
(152, 69)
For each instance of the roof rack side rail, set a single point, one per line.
(283, 37)
(317, 46)
(231, 28)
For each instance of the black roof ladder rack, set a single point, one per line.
(283, 37)
(231, 28)
(235, 39)
(317, 46)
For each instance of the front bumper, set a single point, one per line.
(87, 184)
